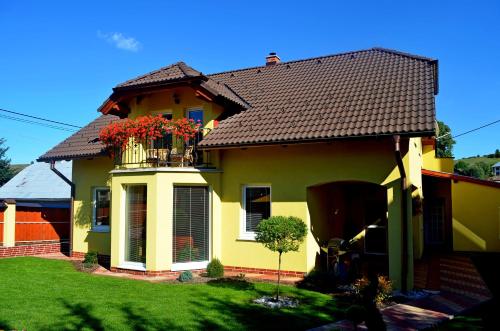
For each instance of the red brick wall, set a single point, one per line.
(29, 250)
(264, 271)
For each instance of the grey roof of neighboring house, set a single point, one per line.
(38, 182)
(496, 165)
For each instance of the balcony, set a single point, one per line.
(167, 151)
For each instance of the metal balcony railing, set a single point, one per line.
(167, 151)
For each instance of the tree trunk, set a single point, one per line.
(279, 277)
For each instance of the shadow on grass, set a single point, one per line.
(5, 326)
(207, 311)
(232, 283)
(138, 319)
(216, 313)
(79, 316)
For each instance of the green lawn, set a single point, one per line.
(39, 294)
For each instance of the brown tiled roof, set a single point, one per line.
(364, 93)
(179, 72)
(172, 72)
(82, 144)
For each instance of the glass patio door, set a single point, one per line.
(135, 227)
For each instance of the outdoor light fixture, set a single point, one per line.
(177, 99)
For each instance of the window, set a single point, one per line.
(135, 224)
(196, 115)
(191, 227)
(256, 207)
(166, 140)
(101, 203)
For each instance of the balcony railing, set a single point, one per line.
(167, 151)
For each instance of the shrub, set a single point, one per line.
(319, 280)
(215, 269)
(185, 276)
(90, 258)
(362, 289)
(281, 234)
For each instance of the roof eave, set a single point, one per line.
(48, 159)
(316, 140)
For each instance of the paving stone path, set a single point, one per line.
(461, 288)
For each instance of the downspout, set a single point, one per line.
(404, 212)
(72, 185)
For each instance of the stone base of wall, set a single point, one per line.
(34, 249)
(226, 268)
(264, 271)
(153, 273)
(104, 260)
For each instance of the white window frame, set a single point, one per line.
(244, 234)
(95, 227)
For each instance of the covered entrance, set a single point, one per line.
(437, 215)
(352, 215)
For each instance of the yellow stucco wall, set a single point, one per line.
(476, 217)
(290, 171)
(9, 225)
(88, 174)
(159, 223)
(431, 162)
(415, 164)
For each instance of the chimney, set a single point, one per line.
(272, 59)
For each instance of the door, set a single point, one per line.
(434, 223)
(135, 224)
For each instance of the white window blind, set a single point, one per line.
(191, 224)
(135, 240)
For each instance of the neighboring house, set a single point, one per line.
(496, 169)
(339, 141)
(35, 209)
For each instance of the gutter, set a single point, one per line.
(404, 212)
(71, 208)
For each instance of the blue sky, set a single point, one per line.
(60, 59)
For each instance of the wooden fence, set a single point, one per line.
(39, 224)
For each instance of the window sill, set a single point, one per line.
(100, 229)
(189, 266)
(246, 237)
(133, 266)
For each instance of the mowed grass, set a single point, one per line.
(40, 294)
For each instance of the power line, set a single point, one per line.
(466, 132)
(23, 120)
(39, 118)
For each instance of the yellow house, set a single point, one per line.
(339, 141)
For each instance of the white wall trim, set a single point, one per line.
(189, 266)
(165, 169)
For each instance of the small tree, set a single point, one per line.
(281, 234)
(445, 142)
(6, 172)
